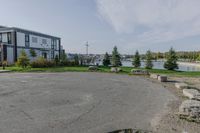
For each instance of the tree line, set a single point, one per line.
(182, 55)
(115, 59)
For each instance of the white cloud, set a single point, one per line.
(161, 20)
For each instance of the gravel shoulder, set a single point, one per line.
(171, 123)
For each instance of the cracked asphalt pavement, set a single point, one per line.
(79, 102)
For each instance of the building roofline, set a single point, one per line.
(27, 31)
(1, 26)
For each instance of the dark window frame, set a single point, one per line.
(9, 38)
(0, 37)
(27, 39)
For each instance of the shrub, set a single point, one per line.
(42, 63)
(23, 60)
(4, 64)
(56, 60)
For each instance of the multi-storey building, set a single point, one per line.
(13, 40)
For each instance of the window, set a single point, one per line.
(34, 39)
(9, 37)
(0, 37)
(55, 44)
(52, 54)
(27, 44)
(52, 44)
(4, 38)
(26, 38)
(44, 41)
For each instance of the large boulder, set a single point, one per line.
(162, 78)
(93, 68)
(139, 72)
(191, 94)
(181, 85)
(154, 76)
(115, 69)
(190, 110)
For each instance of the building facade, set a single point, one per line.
(14, 40)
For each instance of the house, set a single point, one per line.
(13, 40)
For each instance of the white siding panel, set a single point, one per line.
(10, 57)
(39, 43)
(20, 39)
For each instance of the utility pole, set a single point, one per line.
(87, 45)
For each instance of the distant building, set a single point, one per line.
(13, 40)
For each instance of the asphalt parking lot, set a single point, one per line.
(78, 102)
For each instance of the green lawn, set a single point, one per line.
(126, 70)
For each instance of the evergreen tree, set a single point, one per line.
(171, 62)
(56, 59)
(198, 58)
(106, 60)
(23, 60)
(76, 60)
(149, 58)
(136, 60)
(116, 59)
(63, 57)
(33, 53)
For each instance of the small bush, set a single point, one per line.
(42, 63)
(23, 60)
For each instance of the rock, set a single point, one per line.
(191, 94)
(154, 76)
(181, 85)
(139, 72)
(93, 68)
(119, 69)
(162, 78)
(4, 71)
(190, 110)
(115, 69)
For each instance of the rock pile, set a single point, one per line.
(181, 85)
(191, 94)
(115, 69)
(93, 68)
(139, 72)
(189, 109)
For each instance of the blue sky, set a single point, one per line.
(128, 24)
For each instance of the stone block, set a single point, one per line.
(162, 78)
(115, 69)
(190, 109)
(93, 68)
(191, 94)
(154, 76)
(181, 85)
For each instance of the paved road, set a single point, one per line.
(78, 102)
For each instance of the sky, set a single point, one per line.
(131, 25)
